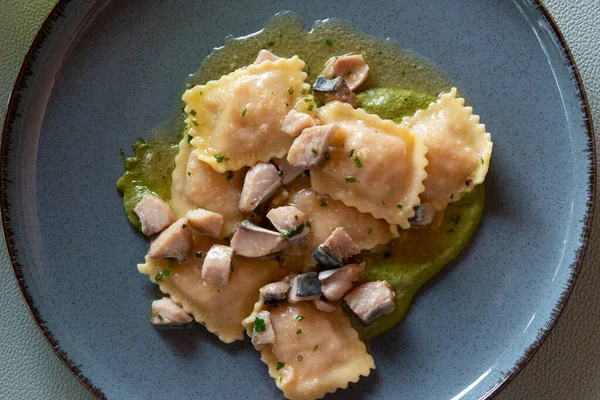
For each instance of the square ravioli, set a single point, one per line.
(374, 165)
(315, 352)
(236, 121)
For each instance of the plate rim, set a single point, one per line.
(13, 104)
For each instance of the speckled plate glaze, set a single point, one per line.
(101, 73)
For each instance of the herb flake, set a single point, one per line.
(358, 163)
(244, 112)
(193, 113)
(350, 153)
(316, 347)
(299, 317)
(294, 232)
(259, 325)
(280, 365)
(314, 151)
(299, 331)
(220, 158)
(229, 175)
(328, 42)
(350, 179)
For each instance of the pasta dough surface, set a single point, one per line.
(220, 309)
(459, 148)
(375, 165)
(196, 185)
(324, 215)
(236, 120)
(324, 357)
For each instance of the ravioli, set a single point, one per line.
(324, 215)
(196, 185)
(324, 357)
(375, 165)
(459, 148)
(236, 120)
(220, 309)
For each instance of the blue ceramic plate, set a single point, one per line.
(102, 73)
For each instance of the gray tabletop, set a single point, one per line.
(567, 366)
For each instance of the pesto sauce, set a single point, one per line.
(400, 82)
(148, 172)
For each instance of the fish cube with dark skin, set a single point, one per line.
(423, 214)
(352, 68)
(262, 332)
(173, 242)
(336, 250)
(204, 222)
(166, 312)
(253, 241)
(337, 282)
(275, 292)
(295, 122)
(308, 150)
(287, 172)
(261, 182)
(328, 90)
(217, 265)
(371, 300)
(289, 221)
(305, 287)
(155, 215)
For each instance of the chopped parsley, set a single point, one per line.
(358, 163)
(198, 254)
(299, 331)
(310, 108)
(229, 175)
(184, 226)
(220, 158)
(350, 153)
(316, 347)
(481, 159)
(387, 254)
(190, 137)
(296, 217)
(160, 317)
(161, 276)
(350, 179)
(195, 122)
(193, 112)
(294, 232)
(299, 318)
(323, 204)
(328, 42)
(280, 365)
(307, 100)
(189, 174)
(308, 224)
(290, 90)
(327, 155)
(244, 111)
(314, 151)
(399, 206)
(303, 91)
(259, 325)
(370, 231)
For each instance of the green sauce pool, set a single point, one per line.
(400, 82)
